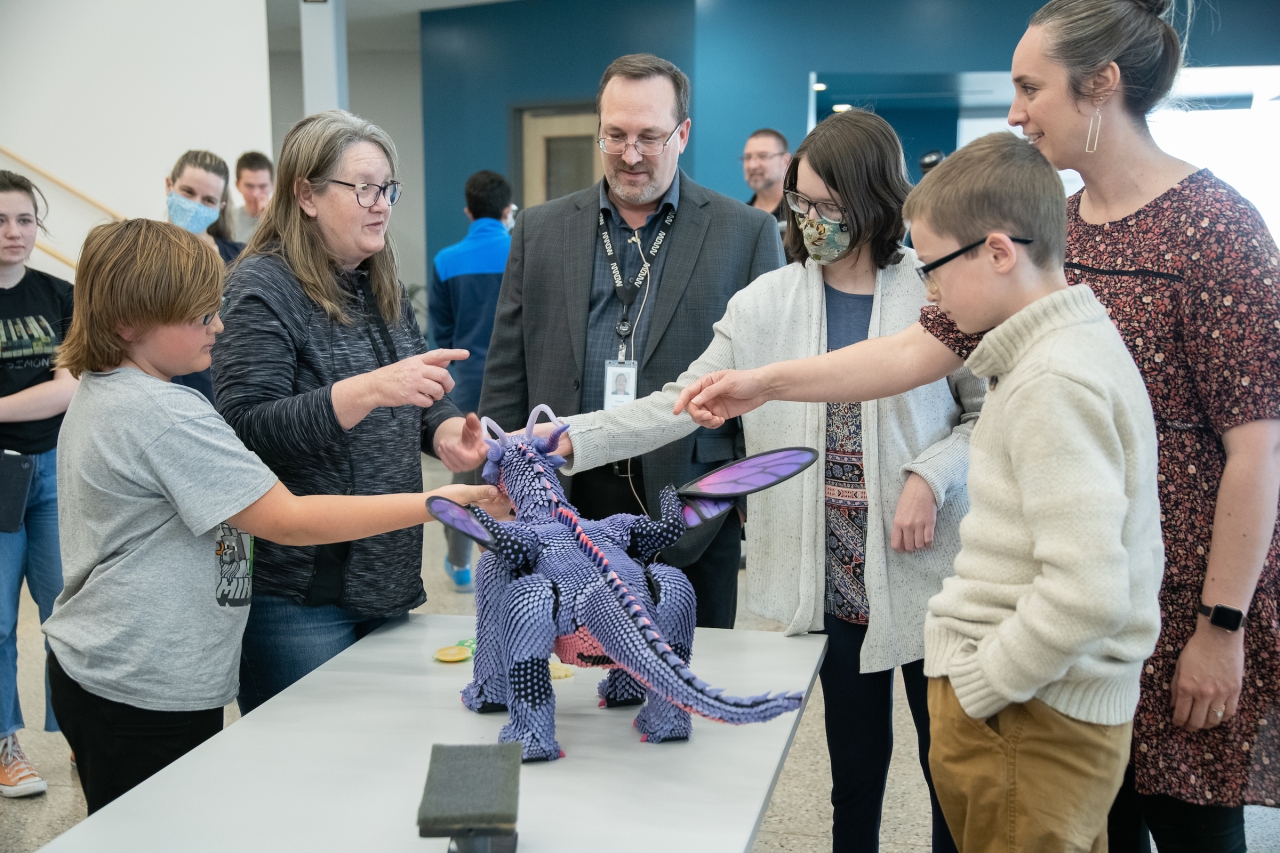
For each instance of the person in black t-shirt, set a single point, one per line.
(197, 202)
(35, 314)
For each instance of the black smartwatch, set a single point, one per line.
(1222, 616)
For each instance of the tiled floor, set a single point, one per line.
(798, 819)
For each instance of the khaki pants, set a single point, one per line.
(1028, 779)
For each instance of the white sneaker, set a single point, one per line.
(17, 777)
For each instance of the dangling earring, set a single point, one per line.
(1095, 128)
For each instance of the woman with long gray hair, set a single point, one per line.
(323, 372)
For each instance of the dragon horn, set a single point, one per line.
(533, 418)
(495, 445)
(491, 428)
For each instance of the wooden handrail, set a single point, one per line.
(55, 254)
(119, 217)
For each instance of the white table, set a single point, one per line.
(338, 761)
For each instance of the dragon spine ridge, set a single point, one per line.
(648, 629)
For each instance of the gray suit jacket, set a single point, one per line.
(537, 354)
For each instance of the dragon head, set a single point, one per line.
(524, 466)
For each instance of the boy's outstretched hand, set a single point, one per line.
(724, 394)
(487, 498)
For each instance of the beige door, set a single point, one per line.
(560, 154)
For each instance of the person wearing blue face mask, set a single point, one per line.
(197, 202)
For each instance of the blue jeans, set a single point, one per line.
(284, 640)
(31, 553)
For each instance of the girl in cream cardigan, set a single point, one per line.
(855, 550)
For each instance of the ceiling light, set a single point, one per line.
(841, 108)
(819, 87)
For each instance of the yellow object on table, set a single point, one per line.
(453, 654)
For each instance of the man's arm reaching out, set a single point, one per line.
(870, 370)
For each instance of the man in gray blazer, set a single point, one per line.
(627, 278)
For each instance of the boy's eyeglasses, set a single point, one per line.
(925, 270)
(826, 209)
(367, 194)
(222, 310)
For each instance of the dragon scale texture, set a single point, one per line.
(592, 592)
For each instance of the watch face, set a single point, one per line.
(1227, 618)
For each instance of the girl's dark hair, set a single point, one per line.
(12, 182)
(1137, 35)
(859, 158)
(216, 166)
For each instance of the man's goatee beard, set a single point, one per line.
(643, 195)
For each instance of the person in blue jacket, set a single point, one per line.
(461, 301)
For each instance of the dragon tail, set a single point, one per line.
(632, 639)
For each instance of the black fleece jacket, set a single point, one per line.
(273, 372)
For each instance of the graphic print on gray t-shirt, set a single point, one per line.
(235, 566)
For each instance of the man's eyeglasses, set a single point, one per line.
(222, 310)
(927, 269)
(367, 194)
(763, 158)
(826, 209)
(618, 145)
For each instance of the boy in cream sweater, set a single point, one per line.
(1034, 647)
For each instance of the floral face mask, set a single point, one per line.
(826, 240)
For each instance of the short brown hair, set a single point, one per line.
(774, 134)
(254, 161)
(138, 273)
(642, 66)
(216, 166)
(998, 182)
(859, 157)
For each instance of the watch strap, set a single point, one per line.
(1222, 616)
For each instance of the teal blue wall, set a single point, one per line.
(749, 61)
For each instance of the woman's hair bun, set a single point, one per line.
(1159, 8)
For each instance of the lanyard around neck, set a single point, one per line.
(627, 292)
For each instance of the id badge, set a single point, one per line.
(619, 383)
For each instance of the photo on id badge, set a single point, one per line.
(619, 383)
(233, 552)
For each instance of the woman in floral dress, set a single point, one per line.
(1189, 274)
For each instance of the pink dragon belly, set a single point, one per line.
(582, 649)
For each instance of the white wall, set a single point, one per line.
(108, 95)
(385, 88)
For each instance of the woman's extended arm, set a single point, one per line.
(645, 424)
(880, 367)
(40, 401)
(288, 519)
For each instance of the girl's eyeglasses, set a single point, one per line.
(222, 310)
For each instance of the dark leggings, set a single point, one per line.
(859, 708)
(118, 746)
(1176, 826)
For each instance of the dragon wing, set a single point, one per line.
(456, 516)
(713, 494)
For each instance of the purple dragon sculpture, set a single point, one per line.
(592, 592)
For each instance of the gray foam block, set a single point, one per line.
(471, 790)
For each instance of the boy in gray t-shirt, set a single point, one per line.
(158, 503)
(149, 555)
